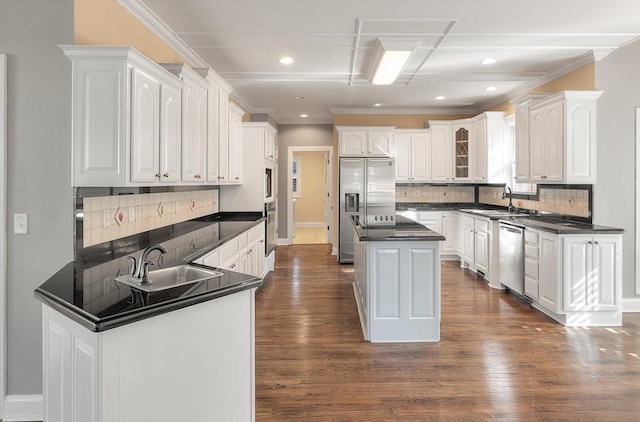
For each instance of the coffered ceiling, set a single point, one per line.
(331, 42)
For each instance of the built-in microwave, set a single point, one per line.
(268, 184)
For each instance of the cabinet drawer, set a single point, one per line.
(243, 240)
(531, 237)
(481, 224)
(531, 269)
(229, 249)
(428, 215)
(531, 252)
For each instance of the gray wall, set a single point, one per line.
(614, 195)
(38, 171)
(296, 136)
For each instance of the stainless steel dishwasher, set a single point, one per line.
(511, 267)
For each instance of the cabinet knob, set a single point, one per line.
(158, 175)
(166, 175)
(237, 178)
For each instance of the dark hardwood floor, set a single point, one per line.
(498, 359)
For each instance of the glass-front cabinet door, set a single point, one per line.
(461, 136)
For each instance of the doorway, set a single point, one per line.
(309, 193)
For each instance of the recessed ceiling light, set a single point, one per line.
(304, 115)
(377, 105)
(286, 60)
(301, 98)
(440, 97)
(488, 60)
(491, 88)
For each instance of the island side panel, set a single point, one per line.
(195, 363)
(403, 291)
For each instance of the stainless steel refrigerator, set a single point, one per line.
(367, 190)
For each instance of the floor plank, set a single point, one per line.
(498, 359)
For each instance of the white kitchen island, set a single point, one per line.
(397, 282)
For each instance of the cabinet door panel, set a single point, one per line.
(576, 274)
(352, 142)
(449, 229)
(606, 252)
(379, 143)
(482, 250)
(170, 134)
(480, 151)
(441, 154)
(554, 154)
(468, 254)
(420, 157)
(536, 147)
(522, 144)
(403, 157)
(145, 124)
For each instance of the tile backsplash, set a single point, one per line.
(434, 194)
(107, 218)
(571, 202)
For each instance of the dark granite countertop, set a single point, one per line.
(403, 229)
(561, 226)
(85, 290)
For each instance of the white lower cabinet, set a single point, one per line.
(475, 253)
(449, 229)
(130, 373)
(244, 253)
(590, 272)
(577, 279)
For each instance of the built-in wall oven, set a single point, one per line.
(271, 234)
(268, 184)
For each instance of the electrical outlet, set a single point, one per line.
(132, 214)
(20, 223)
(106, 218)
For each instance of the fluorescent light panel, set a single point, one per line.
(388, 59)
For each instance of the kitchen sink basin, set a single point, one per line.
(168, 278)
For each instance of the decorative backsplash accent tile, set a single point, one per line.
(108, 218)
(572, 202)
(441, 194)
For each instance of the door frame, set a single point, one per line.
(291, 229)
(3, 228)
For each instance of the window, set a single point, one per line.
(297, 174)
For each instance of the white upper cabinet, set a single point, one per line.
(441, 152)
(119, 117)
(235, 144)
(372, 141)
(562, 136)
(194, 118)
(490, 160)
(218, 127)
(522, 121)
(413, 155)
(170, 133)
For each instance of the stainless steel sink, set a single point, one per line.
(168, 278)
(491, 212)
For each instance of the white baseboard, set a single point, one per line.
(22, 408)
(316, 224)
(283, 242)
(631, 304)
(334, 251)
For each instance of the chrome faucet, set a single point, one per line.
(504, 196)
(140, 268)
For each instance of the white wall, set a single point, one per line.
(298, 136)
(38, 171)
(614, 193)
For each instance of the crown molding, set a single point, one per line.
(427, 110)
(158, 27)
(583, 60)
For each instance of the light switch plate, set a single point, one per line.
(20, 223)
